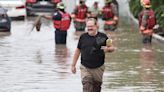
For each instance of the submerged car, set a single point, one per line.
(15, 8)
(36, 6)
(5, 22)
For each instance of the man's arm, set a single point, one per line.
(74, 12)
(75, 58)
(47, 17)
(55, 16)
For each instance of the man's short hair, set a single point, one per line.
(92, 19)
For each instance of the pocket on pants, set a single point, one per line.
(84, 72)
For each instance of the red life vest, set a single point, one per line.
(64, 23)
(107, 12)
(151, 21)
(81, 12)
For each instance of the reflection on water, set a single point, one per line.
(4, 34)
(62, 56)
(39, 57)
(147, 67)
(133, 67)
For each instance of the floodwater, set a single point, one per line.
(31, 62)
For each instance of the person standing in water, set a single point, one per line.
(147, 21)
(92, 47)
(61, 20)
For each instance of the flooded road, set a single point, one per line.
(134, 67)
(31, 62)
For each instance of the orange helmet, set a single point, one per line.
(146, 3)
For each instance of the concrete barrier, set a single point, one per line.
(158, 37)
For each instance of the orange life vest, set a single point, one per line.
(64, 23)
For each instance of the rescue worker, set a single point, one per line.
(147, 21)
(109, 15)
(61, 20)
(94, 10)
(79, 15)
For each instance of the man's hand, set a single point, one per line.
(75, 58)
(104, 48)
(73, 69)
(47, 17)
(73, 16)
(107, 48)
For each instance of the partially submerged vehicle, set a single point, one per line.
(5, 21)
(36, 6)
(15, 8)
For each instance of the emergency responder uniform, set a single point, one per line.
(61, 21)
(79, 15)
(109, 15)
(146, 21)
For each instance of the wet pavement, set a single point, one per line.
(31, 62)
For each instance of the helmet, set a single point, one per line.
(146, 3)
(61, 5)
(108, 1)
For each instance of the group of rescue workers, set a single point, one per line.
(62, 19)
(109, 14)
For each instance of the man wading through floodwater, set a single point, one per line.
(92, 47)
